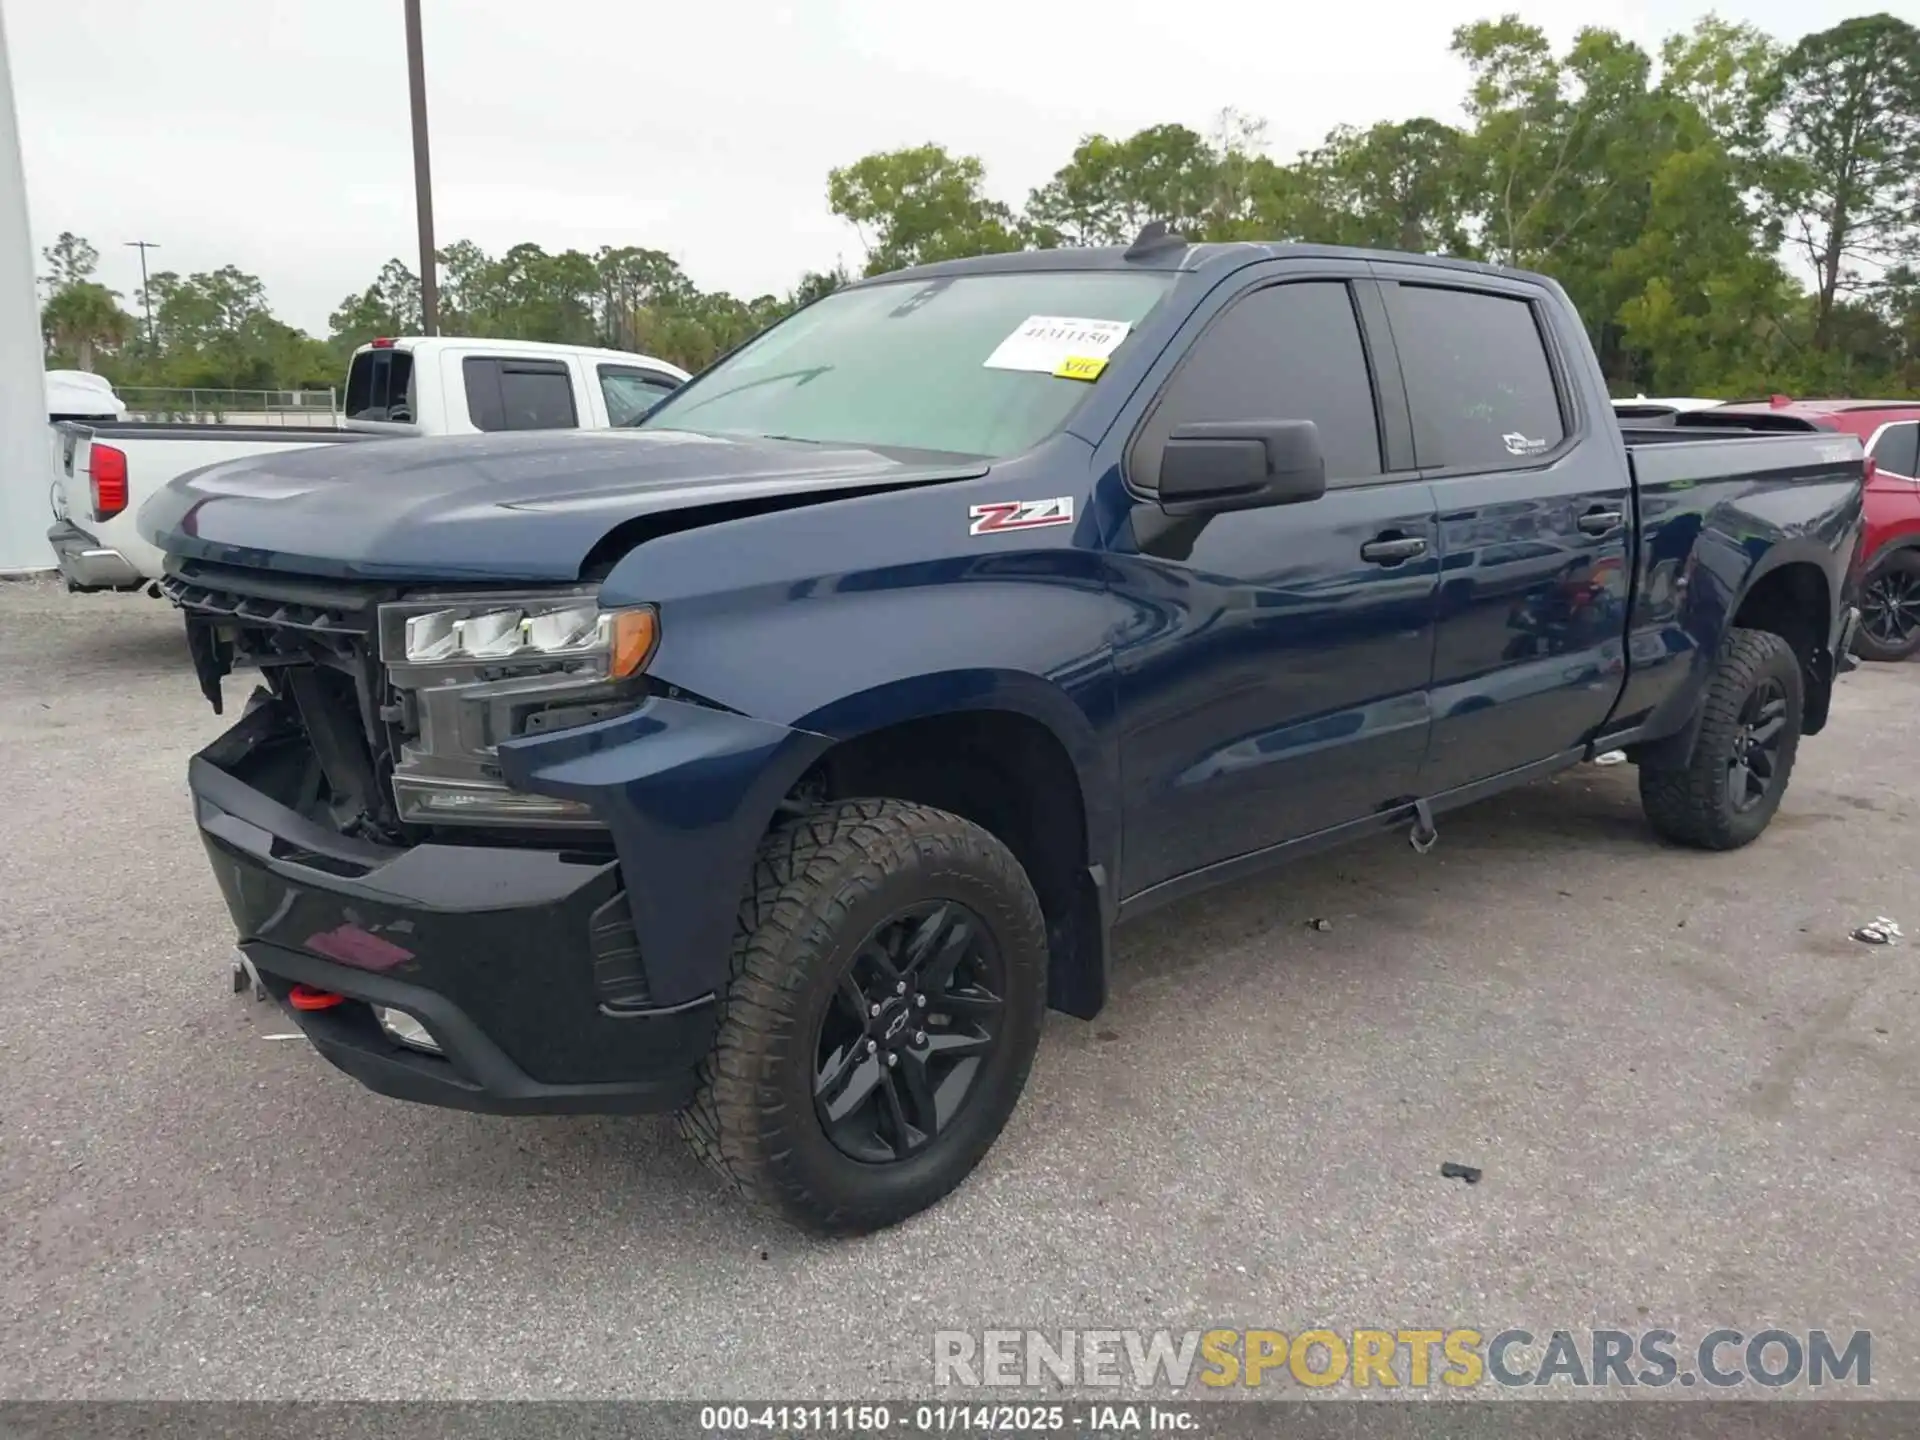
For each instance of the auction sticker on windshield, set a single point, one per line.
(1046, 342)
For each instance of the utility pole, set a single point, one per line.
(146, 298)
(422, 178)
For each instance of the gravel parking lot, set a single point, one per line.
(1695, 1099)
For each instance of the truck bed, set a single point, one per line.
(1663, 455)
(142, 430)
(105, 551)
(1711, 504)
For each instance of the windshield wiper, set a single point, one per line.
(802, 376)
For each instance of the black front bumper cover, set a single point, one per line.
(491, 947)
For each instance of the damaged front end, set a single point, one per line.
(501, 923)
(405, 698)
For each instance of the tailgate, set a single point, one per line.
(72, 493)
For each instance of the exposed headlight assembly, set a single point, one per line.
(527, 629)
(475, 670)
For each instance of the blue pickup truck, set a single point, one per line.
(780, 760)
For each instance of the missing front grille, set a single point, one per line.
(330, 713)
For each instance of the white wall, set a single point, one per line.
(26, 452)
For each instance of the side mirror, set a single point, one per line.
(1241, 465)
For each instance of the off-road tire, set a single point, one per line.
(1903, 564)
(1690, 805)
(820, 886)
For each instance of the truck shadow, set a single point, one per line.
(1376, 899)
(1382, 887)
(1328, 934)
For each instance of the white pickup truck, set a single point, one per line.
(400, 387)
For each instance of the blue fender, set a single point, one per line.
(688, 792)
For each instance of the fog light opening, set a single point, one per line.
(408, 1031)
(423, 801)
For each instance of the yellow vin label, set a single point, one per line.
(1081, 367)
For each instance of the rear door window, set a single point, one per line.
(380, 386)
(519, 394)
(1894, 451)
(1478, 378)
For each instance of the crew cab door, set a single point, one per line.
(1273, 676)
(1535, 511)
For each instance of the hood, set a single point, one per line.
(528, 506)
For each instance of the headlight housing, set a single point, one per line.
(522, 630)
(473, 670)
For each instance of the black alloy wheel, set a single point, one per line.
(1724, 792)
(1754, 764)
(888, 983)
(1890, 609)
(913, 1021)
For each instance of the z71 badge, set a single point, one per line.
(998, 515)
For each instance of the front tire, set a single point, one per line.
(1890, 609)
(1727, 792)
(888, 985)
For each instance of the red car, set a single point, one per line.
(1890, 432)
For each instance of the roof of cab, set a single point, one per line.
(1178, 257)
(419, 343)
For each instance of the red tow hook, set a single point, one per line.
(305, 997)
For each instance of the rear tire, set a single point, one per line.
(1727, 792)
(855, 908)
(1890, 609)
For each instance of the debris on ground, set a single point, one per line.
(1611, 757)
(1451, 1171)
(1318, 924)
(1881, 932)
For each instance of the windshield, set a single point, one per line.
(964, 364)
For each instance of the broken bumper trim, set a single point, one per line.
(474, 1073)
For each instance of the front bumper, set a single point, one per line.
(503, 953)
(89, 565)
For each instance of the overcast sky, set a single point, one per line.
(273, 134)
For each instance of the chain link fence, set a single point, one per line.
(302, 409)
